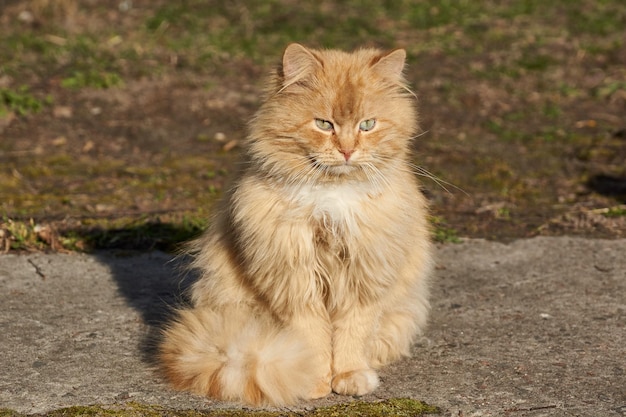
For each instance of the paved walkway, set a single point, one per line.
(532, 328)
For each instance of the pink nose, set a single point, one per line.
(347, 153)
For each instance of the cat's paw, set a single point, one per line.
(359, 382)
(321, 389)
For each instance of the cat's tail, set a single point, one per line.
(237, 356)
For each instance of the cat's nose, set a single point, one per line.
(347, 153)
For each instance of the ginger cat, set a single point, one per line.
(315, 273)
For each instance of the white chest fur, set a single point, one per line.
(335, 205)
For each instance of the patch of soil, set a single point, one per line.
(513, 156)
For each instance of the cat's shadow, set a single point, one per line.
(154, 284)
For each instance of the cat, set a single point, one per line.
(315, 272)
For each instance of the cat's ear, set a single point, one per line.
(298, 62)
(391, 65)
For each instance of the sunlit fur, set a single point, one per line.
(315, 272)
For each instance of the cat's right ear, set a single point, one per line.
(391, 64)
(298, 62)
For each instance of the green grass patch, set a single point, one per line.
(617, 211)
(93, 79)
(201, 34)
(442, 232)
(432, 13)
(503, 130)
(604, 18)
(19, 235)
(84, 60)
(21, 102)
(535, 61)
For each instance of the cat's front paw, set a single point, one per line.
(321, 389)
(359, 382)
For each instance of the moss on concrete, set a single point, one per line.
(395, 407)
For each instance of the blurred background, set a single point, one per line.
(121, 120)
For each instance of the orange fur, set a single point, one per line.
(315, 272)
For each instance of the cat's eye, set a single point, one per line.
(324, 125)
(367, 125)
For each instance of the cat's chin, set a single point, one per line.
(341, 170)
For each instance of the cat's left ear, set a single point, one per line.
(298, 62)
(391, 65)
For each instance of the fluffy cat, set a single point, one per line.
(315, 272)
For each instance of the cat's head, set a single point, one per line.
(331, 115)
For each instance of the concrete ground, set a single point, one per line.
(536, 327)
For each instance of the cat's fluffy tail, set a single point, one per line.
(237, 356)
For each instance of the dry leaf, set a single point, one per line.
(88, 146)
(60, 141)
(230, 145)
(49, 236)
(62, 112)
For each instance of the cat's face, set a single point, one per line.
(335, 115)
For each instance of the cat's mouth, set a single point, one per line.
(333, 167)
(342, 169)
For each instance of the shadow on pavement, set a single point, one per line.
(152, 283)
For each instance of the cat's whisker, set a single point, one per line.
(422, 172)
(299, 179)
(370, 174)
(427, 174)
(379, 177)
(376, 176)
(308, 172)
(405, 88)
(420, 134)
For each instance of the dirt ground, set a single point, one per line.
(115, 115)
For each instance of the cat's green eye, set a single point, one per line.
(324, 125)
(367, 125)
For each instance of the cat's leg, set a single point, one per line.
(393, 337)
(404, 315)
(313, 324)
(352, 374)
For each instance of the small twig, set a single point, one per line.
(37, 269)
(606, 210)
(539, 407)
